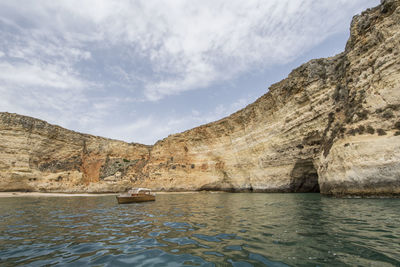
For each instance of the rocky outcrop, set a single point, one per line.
(332, 126)
(363, 157)
(37, 156)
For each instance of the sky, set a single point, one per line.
(141, 70)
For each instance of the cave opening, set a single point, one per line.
(304, 177)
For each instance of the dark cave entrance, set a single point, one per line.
(304, 177)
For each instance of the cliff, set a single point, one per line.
(332, 126)
(37, 156)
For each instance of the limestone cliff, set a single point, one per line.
(332, 125)
(37, 156)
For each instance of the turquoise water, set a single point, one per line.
(204, 229)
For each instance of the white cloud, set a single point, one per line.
(149, 129)
(186, 45)
(76, 62)
(33, 76)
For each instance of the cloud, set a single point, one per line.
(32, 76)
(184, 45)
(77, 63)
(150, 128)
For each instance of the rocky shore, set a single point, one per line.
(332, 126)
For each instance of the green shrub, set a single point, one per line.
(362, 115)
(352, 132)
(370, 130)
(388, 114)
(381, 132)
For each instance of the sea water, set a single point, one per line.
(202, 229)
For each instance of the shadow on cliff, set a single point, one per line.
(304, 177)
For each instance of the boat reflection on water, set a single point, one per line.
(136, 195)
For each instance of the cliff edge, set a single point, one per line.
(332, 126)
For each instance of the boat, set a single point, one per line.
(136, 195)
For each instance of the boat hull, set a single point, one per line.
(135, 199)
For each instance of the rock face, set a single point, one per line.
(332, 126)
(37, 156)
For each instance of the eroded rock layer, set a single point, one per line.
(332, 126)
(38, 156)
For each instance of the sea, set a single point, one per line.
(200, 229)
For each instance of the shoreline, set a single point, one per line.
(51, 194)
(94, 194)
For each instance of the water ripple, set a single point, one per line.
(200, 230)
